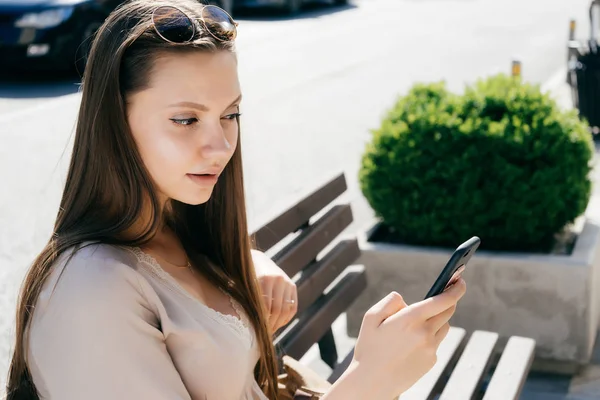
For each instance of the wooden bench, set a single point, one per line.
(303, 240)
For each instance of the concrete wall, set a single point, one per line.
(553, 299)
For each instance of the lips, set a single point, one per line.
(204, 179)
(214, 170)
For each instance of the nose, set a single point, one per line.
(213, 141)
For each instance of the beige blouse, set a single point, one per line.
(117, 326)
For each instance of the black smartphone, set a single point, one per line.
(454, 267)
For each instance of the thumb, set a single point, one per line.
(385, 308)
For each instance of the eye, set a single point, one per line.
(184, 121)
(232, 116)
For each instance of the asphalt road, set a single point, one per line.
(313, 88)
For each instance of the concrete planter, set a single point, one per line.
(554, 299)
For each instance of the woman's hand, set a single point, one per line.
(280, 296)
(397, 343)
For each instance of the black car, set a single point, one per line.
(53, 34)
(49, 34)
(290, 7)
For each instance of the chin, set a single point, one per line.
(194, 199)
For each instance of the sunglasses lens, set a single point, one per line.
(219, 23)
(173, 25)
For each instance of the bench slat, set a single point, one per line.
(317, 319)
(471, 368)
(294, 217)
(430, 384)
(319, 275)
(341, 367)
(512, 370)
(305, 248)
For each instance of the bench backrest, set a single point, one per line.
(326, 287)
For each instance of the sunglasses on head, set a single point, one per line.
(175, 26)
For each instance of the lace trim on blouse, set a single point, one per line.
(238, 324)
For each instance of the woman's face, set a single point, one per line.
(185, 123)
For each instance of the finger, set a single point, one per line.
(441, 334)
(292, 308)
(384, 308)
(433, 306)
(286, 312)
(294, 305)
(267, 292)
(295, 297)
(434, 324)
(277, 303)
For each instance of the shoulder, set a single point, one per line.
(93, 277)
(97, 267)
(91, 291)
(92, 310)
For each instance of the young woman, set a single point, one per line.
(149, 288)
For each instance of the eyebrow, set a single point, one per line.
(201, 107)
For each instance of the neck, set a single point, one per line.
(163, 234)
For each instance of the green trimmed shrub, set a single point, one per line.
(501, 162)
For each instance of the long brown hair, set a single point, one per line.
(107, 187)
